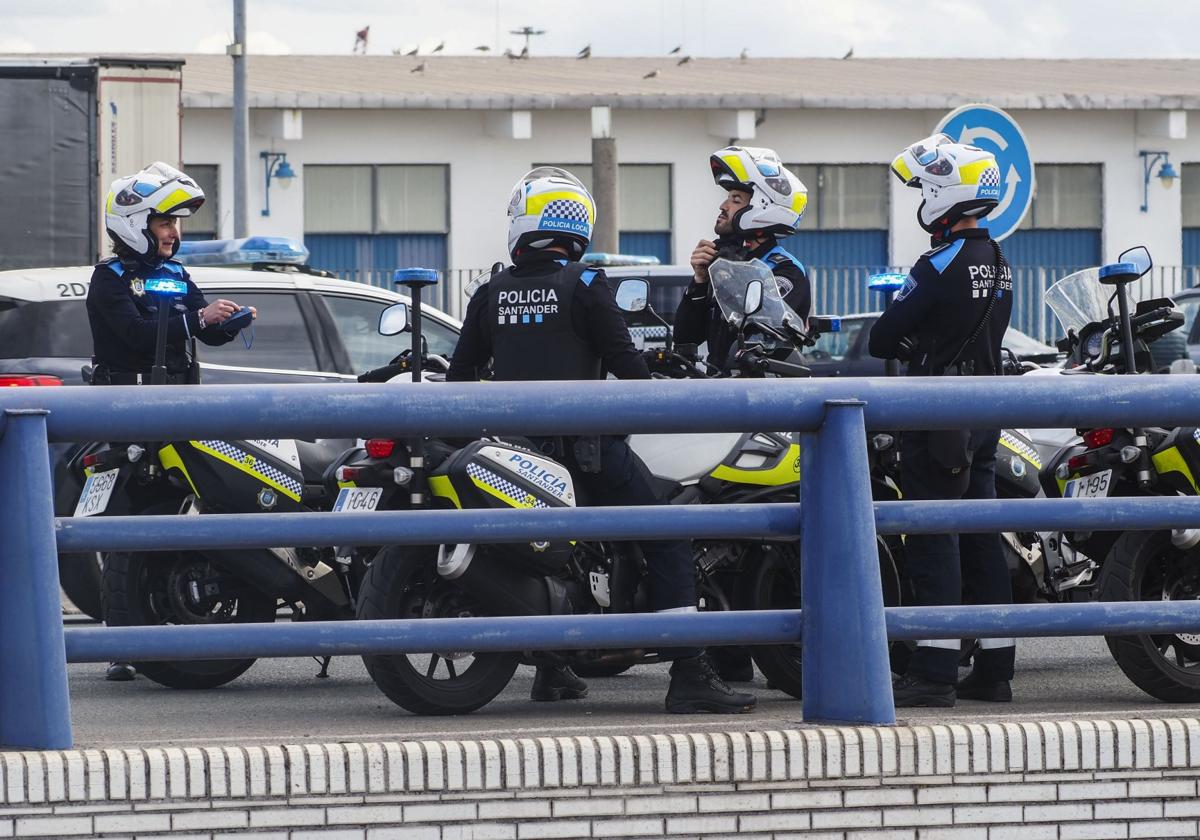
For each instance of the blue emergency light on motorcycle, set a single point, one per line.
(891, 281)
(253, 249)
(166, 286)
(1122, 272)
(415, 277)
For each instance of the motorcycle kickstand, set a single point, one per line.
(324, 661)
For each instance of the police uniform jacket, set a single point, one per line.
(545, 319)
(698, 319)
(941, 305)
(124, 318)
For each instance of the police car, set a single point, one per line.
(311, 326)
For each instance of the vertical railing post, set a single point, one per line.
(35, 708)
(847, 677)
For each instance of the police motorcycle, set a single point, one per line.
(1126, 565)
(196, 477)
(743, 467)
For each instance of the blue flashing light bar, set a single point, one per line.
(253, 249)
(1118, 269)
(891, 281)
(166, 286)
(415, 277)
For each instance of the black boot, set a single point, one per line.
(696, 687)
(557, 682)
(732, 663)
(973, 687)
(120, 672)
(910, 691)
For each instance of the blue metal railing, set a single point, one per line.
(842, 624)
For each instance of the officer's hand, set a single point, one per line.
(702, 258)
(217, 311)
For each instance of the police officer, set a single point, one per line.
(949, 320)
(141, 215)
(764, 202)
(548, 317)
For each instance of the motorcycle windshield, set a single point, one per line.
(1079, 299)
(730, 280)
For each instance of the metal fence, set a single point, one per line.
(842, 290)
(841, 625)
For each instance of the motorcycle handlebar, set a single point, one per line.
(383, 374)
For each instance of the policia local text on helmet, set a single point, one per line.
(949, 319)
(546, 318)
(764, 201)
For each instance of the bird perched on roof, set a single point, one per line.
(676, 50)
(483, 48)
(849, 54)
(360, 39)
(440, 47)
(586, 52)
(414, 50)
(524, 52)
(420, 68)
(651, 75)
(683, 61)
(509, 54)
(745, 54)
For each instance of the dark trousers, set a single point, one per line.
(955, 568)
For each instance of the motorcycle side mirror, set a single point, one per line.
(633, 294)
(394, 319)
(753, 300)
(1139, 257)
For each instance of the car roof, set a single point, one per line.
(45, 284)
(647, 270)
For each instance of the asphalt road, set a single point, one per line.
(281, 701)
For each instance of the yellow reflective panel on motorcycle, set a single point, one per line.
(1171, 460)
(440, 486)
(785, 471)
(168, 456)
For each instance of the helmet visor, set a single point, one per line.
(554, 172)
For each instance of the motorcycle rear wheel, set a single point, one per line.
(79, 574)
(403, 582)
(1145, 566)
(774, 584)
(153, 588)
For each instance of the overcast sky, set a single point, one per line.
(874, 28)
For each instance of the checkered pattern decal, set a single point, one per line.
(990, 177)
(262, 469)
(1021, 448)
(562, 208)
(504, 486)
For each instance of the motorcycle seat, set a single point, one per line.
(317, 455)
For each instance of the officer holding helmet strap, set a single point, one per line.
(764, 202)
(141, 215)
(548, 318)
(949, 320)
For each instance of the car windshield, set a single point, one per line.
(838, 344)
(1189, 307)
(44, 329)
(357, 320)
(1079, 299)
(730, 280)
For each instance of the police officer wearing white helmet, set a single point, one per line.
(547, 318)
(141, 214)
(949, 320)
(764, 202)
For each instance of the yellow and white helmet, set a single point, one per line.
(158, 190)
(550, 206)
(955, 180)
(777, 196)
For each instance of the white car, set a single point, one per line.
(310, 328)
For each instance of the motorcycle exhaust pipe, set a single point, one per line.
(497, 584)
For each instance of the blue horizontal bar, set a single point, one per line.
(355, 638)
(426, 527)
(460, 409)
(1149, 513)
(751, 522)
(1101, 618)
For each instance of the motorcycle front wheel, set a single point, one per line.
(773, 583)
(403, 582)
(154, 588)
(1145, 566)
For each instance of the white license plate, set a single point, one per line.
(357, 499)
(96, 492)
(1096, 484)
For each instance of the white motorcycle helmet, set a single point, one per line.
(777, 196)
(550, 206)
(955, 180)
(158, 190)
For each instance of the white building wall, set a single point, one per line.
(483, 168)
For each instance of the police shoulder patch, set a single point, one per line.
(785, 286)
(910, 284)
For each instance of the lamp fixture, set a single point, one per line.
(275, 165)
(1166, 174)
